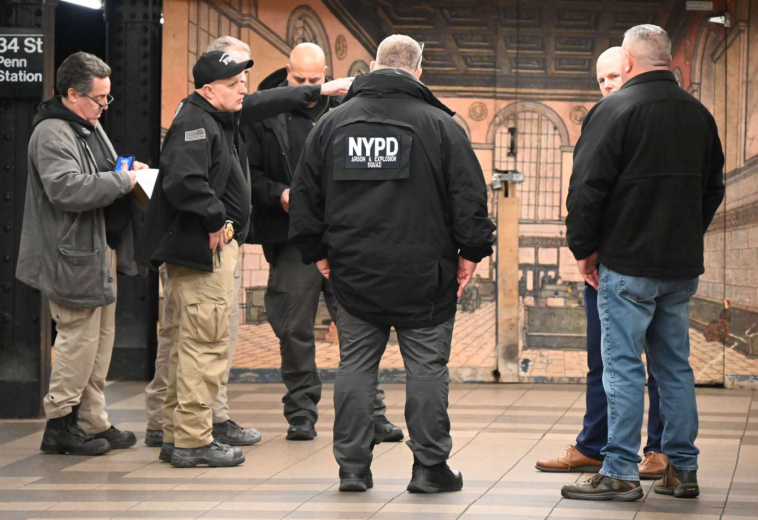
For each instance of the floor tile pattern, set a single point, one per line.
(499, 431)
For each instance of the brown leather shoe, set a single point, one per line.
(573, 461)
(653, 466)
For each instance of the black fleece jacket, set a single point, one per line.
(647, 180)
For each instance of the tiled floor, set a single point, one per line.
(498, 430)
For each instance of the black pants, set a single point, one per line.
(291, 301)
(594, 434)
(425, 352)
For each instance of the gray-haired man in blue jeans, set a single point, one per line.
(646, 183)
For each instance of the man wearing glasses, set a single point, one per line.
(77, 233)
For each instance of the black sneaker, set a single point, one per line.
(679, 483)
(601, 487)
(301, 429)
(63, 435)
(167, 451)
(231, 433)
(434, 479)
(385, 431)
(215, 455)
(154, 438)
(353, 482)
(118, 440)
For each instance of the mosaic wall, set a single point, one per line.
(520, 76)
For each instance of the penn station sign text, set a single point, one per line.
(21, 62)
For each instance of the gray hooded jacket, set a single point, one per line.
(63, 246)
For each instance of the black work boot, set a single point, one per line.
(231, 433)
(353, 482)
(301, 429)
(215, 455)
(679, 483)
(385, 431)
(434, 479)
(119, 440)
(63, 435)
(154, 438)
(167, 451)
(601, 487)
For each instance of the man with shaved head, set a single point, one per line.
(389, 201)
(585, 456)
(608, 70)
(293, 291)
(646, 182)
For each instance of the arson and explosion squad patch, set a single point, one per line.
(370, 152)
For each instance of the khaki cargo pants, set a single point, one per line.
(83, 349)
(155, 393)
(203, 303)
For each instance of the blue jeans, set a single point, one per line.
(594, 434)
(634, 311)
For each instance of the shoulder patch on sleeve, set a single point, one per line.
(194, 135)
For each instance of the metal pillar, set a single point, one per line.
(24, 319)
(134, 52)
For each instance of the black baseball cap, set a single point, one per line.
(215, 65)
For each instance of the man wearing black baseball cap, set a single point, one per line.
(198, 215)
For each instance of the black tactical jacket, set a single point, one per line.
(199, 152)
(389, 190)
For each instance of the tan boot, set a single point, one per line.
(653, 466)
(573, 461)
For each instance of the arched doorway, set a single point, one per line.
(532, 138)
(539, 134)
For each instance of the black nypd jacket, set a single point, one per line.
(389, 190)
(197, 158)
(647, 180)
(271, 167)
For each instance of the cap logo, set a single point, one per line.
(225, 59)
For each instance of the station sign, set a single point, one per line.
(21, 62)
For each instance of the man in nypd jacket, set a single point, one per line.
(390, 201)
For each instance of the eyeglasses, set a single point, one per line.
(102, 106)
(421, 56)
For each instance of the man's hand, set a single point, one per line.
(588, 270)
(132, 177)
(217, 240)
(337, 87)
(286, 200)
(465, 272)
(324, 267)
(136, 166)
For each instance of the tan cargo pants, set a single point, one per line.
(83, 349)
(202, 304)
(155, 393)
